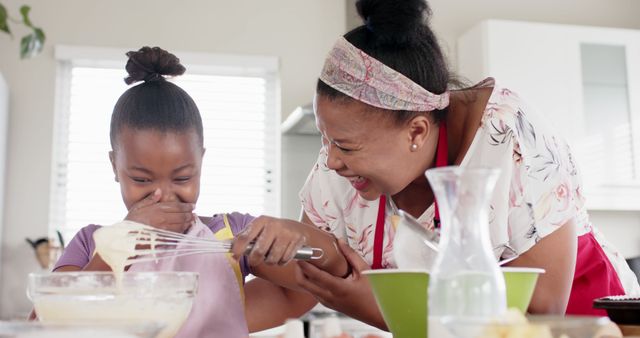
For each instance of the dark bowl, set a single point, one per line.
(622, 310)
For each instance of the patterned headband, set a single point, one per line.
(358, 75)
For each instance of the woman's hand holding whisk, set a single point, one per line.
(173, 216)
(275, 241)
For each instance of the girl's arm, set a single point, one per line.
(95, 264)
(268, 305)
(78, 255)
(556, 253)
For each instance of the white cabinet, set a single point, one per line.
(585, 81)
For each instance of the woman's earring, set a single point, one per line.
(414, 147)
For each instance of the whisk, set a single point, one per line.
(146, 243)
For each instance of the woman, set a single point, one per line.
(387, 114)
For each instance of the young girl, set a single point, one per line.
(157, 150)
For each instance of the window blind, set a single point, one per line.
(241, 137)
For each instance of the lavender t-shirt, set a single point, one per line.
(80, 250)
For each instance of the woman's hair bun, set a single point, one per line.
(152, 64)
(394, 22)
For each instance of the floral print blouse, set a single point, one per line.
(539, 189)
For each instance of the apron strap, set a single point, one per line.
(226, 234)
(442, 160)
(379, 235)
(594, 277)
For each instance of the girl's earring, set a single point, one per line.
(414, 147)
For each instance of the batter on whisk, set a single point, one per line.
(114, 246)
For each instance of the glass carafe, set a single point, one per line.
(465, 280)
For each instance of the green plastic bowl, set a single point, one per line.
(401, 295)
(402, 298)
(520, 283)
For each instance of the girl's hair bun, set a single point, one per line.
(394, 22)
(152, 64)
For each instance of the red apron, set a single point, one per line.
(594, 276)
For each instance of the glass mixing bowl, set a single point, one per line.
(95, 297)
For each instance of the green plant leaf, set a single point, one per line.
(39, 35)
(24, 10)
(31, 45)
(25, 46)
(4, 24)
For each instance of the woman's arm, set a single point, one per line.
(556, 253)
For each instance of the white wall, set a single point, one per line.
(4, 121)
(299, 32)
(451, 18)
(449, 21)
